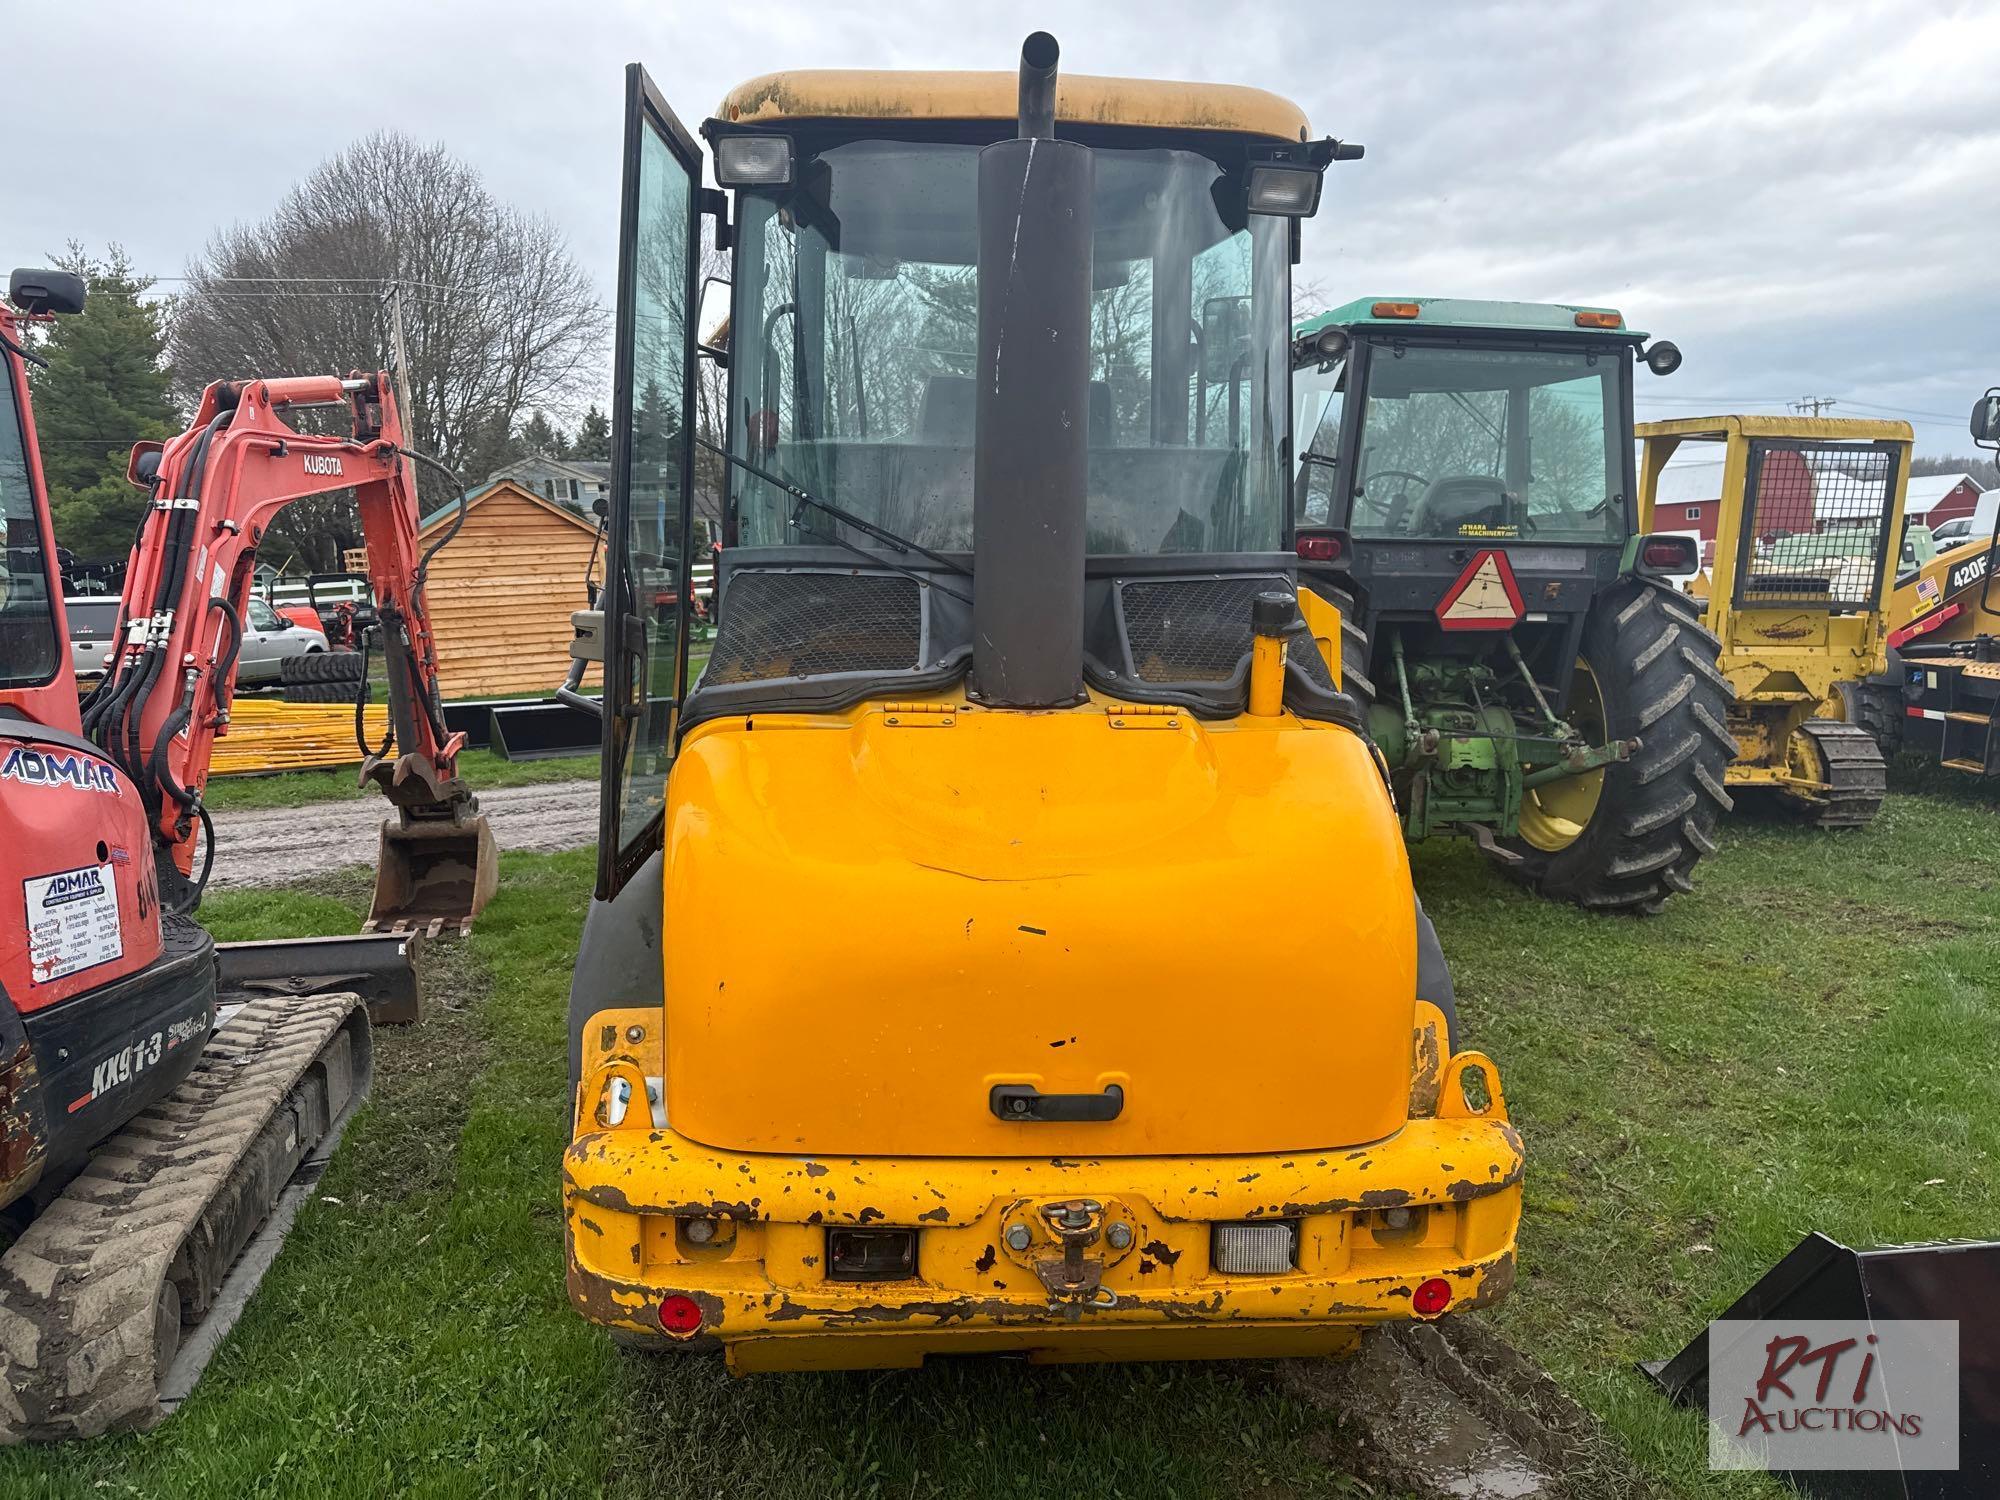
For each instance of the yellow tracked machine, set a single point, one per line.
(1004, 942)
(1808, 533)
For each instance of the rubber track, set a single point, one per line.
(1857, 776)
(79, 1289)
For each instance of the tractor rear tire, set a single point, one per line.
(1652, 666)
(323, 692)
(1353, 648)
(321, 666)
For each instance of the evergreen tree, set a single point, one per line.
(593, 438)
(540, 435)
(105, 388)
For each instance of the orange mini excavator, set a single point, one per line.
(165, 1103)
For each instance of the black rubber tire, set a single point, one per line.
(1877, 707)
(323, 692)
(320, 666)
(1655, 666)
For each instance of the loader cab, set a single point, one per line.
(832, 449)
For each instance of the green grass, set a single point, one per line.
(1808, 1042)
(481, 769)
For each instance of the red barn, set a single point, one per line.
(1937, 498)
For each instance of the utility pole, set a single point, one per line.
(1813, 404)
(399, 357)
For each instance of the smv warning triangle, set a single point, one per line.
(1485, 597)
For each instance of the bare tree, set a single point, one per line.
(499, 319)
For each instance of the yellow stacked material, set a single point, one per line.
(266, 734)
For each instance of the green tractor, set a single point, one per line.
(1466, 495)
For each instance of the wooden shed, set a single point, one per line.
(501, 592)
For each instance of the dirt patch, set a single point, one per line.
(420, 1075)
(281, 845)
(1452, 1412)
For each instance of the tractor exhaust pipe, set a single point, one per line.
(1031, 453)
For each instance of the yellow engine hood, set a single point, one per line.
(874, 917)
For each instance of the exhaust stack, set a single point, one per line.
(1031, 454)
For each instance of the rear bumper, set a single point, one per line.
(765, 1294)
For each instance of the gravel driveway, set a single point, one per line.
(269, 846)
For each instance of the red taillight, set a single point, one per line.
(1319, 548)
(1669, 554)
(680, 1315)
(1431, 1297)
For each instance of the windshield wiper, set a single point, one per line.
(903, 544)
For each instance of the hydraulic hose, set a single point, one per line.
(200, 882)
(434, 710)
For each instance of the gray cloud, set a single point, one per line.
(1804, 200)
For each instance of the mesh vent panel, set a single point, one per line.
(1819, 514)
(1190, 629)
(812, 624)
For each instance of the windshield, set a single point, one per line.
(27, 613)
(855, 335)
(1461, 443)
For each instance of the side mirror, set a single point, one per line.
(1662, 357)
(36, 292)
(600, 506)
(143, 468)
(1986, 420)
(712, 320)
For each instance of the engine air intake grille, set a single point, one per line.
(803, 624)
(1819, 524)
(1190, 629)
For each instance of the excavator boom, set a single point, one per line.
(215, 490)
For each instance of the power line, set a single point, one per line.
(1814, 403)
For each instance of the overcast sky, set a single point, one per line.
(1806, 198)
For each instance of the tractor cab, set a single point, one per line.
(1464, 492)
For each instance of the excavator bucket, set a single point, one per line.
(432, 875)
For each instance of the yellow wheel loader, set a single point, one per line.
(1807, 534)
(1004, 942)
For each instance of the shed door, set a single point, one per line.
(646, 585)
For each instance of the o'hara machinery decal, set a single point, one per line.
(46, 768)
(1970, 571)
(72, 922)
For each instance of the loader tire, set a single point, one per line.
(1647, 671)
(322, 692)
(1877, 707)
(320, 666)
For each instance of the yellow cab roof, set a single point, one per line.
(881, 94)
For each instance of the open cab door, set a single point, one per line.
(646, 598)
